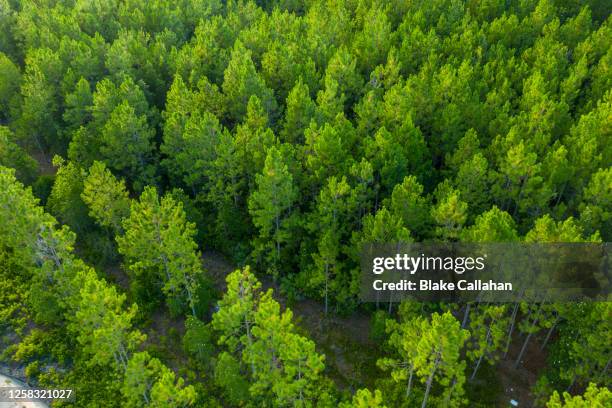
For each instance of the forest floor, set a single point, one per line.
(350, 353)
(45, 165)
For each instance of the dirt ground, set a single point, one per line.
(351, 354)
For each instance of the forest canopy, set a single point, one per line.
(139, 139)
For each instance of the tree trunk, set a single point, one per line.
(482, 355)
(450, 392)
(409, 388)
(465, 315)
(430, 382)
(250, 340)
(560, 194)
(549, 333)
(605, 369)
(326, 287)
(277, 241)
(520, 356)
(512, 321)
(520, 197)
(191, 302)
(569, 387)
(476, 368)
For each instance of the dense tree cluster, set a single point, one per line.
(134, 135)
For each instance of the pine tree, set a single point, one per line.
(488, 328)
(364, 398)
(158, 246)
(9, 88)
(229, 377)
(327, 152)
(593, 397)
(473, 182)
(588, 344)
(401, 337)
(78, 107)
(104, 329)
(595, 209)
(450, 214)
(372, 43)
(408, 203)
(190, 138)
(494, 225)
(270, 203)
(106, 197)
(342, 72)
(286, 364)
(300, 111)
(438, 356)
(332, 206)
(235, 318)
(65, 199)
(147, 380)
(13, 156)
(240, 81)
(252, 140)
(127, 145)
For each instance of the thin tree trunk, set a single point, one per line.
(569, 387)
(430, 382)
(560, 194)
(603, 372)
(250, 340)
(482, 355)
(476, 368)
(465, 315)
(450, 392)
(549, 333)
(520, 197)
(409, 389)
(326, 286)
(277, 241)
(520, 356)
(191, 302)
(512, 321)
(299, 378)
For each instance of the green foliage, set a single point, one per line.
(407, 202)
(363, 398)
(106, 197)
(150, 382)
(9, 88)
(241, 80)
(65, 199)
(190, 138)
(283, 365)
(593, 397)
(160, 251)
(104, 329)
(595, 210)
(229, 378)
(434, 357)
(288, 134)
(198, 340)
(301, 109)
(450, 214)
(13, 292)
(13, 156)
(271, 202)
